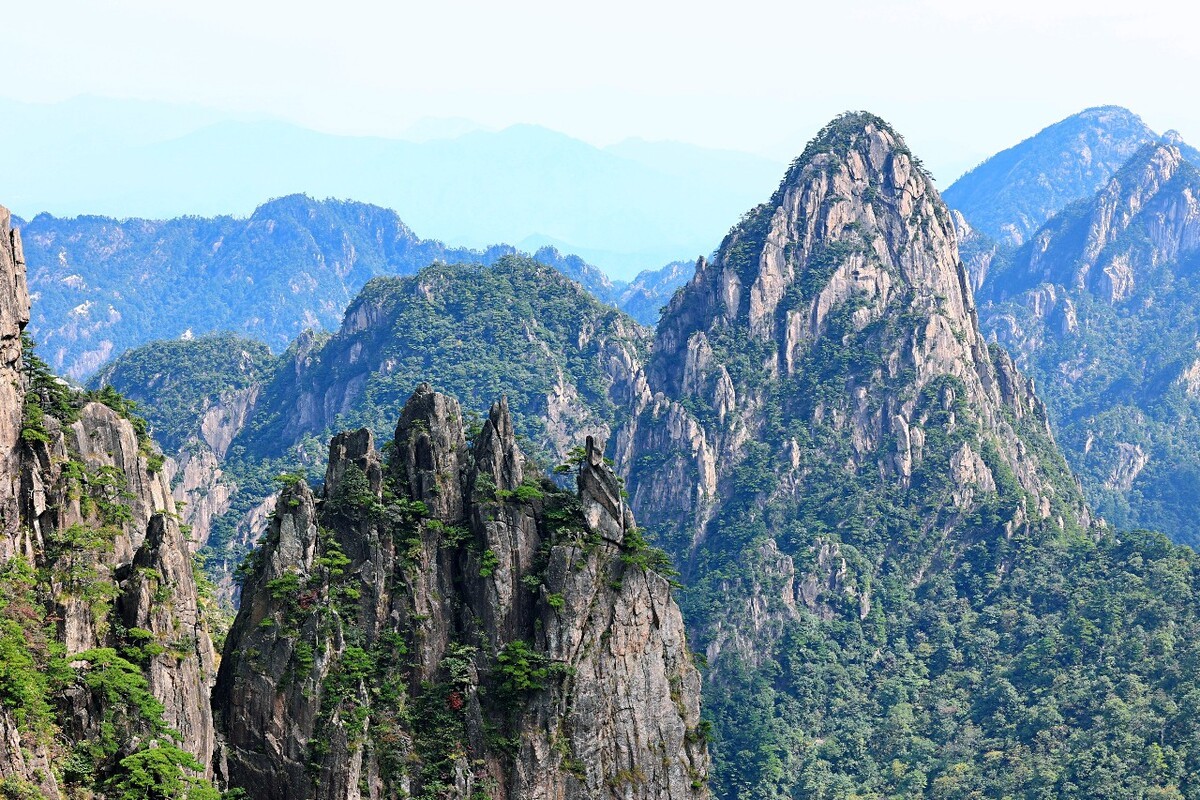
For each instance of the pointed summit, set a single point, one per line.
(1092, 245)
(855, 220)
(824, 433)
(1100, 307)
(839, 308)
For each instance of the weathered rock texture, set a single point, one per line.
(820, 410)
(14, 314)
(1012, 194)
(447, 624)
(567, 358)
(855, 245)
(80, 504)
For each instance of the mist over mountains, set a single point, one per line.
(635, 205)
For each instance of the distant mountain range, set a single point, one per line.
(1014, 192)
(1083, 245)
(1101, 307)
(626, 207)
(895, 580)
(103, 286)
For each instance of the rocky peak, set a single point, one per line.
(855, 216)
(384, 636)
(601, 494)
(86, 515)
(431, 452)
(354, 450)
(856, 243)
(496, 452)
(823, 416)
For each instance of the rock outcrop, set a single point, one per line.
(855, 253)
(14, 314)
(447, 622)
(1012, 194)
(95, 569)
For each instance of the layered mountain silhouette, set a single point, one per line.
(104, 285)
(1100, 307)
(1010, 195)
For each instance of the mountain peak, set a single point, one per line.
(854, 216)
(1141, 218)
(1162, 157)
(1107, 114)
(860, 131)
(855, 246)
(1013, 193)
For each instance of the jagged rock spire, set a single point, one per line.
(496, 450)
(488, 575)
(600, 492)
(431, 452)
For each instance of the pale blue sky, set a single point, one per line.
(960, 79)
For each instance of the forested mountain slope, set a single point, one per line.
(893, 574)
(104, 286)
(236, 419)
(1100, 307)
(1013, 193)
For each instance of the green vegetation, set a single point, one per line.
(174, 382)
(134, 754)
(293, 265)
(937, 639)
(45, 395)
(992, 661)
(521, 670)
(131, 752)
(48, 396)
(475, 332)
(1114, 374)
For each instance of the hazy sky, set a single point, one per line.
(960, 79)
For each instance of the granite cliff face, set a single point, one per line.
(821, 418)
(238, 416)
(445, 623)
(1099, 307)
(14, 315)
(1090, 246)
(97, 582)
(847, 284)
